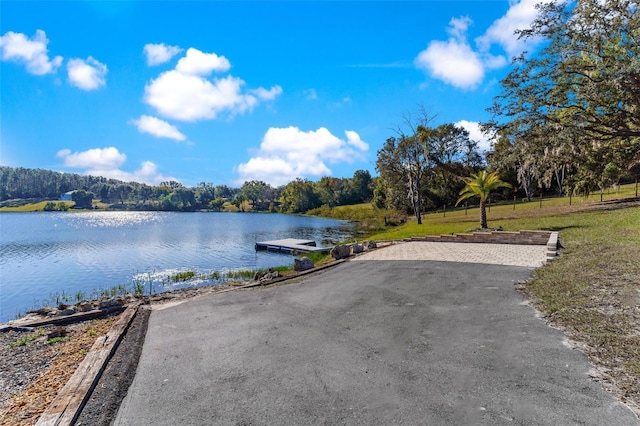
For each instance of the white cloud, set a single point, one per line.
(456, 63)
(107, 161)
(160, 53)
(185, 94)
(86, 75)
(354, 139)
(278, 171)
(32, 52)
(453, 61)
(267, 95)
(476, 134)
(199, 63)
(93, 158)
(158, 128)
(146, 173)
(190, 98)
(502, 32)
(288, 153)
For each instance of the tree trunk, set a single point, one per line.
(483, 214)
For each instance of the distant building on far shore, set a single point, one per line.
(67, 196)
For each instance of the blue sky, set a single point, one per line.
(225, 92)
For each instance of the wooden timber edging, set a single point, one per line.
(65, 319)
(538, 238)
(66, 407)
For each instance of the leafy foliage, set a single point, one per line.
(572, 109)
(480, 185)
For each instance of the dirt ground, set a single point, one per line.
(34, 368)
(35, 365)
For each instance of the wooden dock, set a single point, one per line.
(290, 246)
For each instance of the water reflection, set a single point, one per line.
(45, 254)
(110, 219)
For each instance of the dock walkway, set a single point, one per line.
(290, 245)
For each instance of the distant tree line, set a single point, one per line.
(296, 197)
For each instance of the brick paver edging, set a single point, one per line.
(548, 238)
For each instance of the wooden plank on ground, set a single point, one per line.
(66, 407)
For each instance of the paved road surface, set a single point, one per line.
(367, 342)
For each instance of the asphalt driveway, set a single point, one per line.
(415, 342)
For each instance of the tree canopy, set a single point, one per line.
(575, 104)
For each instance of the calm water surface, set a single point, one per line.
(78, 254)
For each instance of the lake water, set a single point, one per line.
(44, 255)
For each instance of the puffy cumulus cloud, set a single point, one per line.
(93, 158)
(502, 32)
(457, 63)
(278, 171)
(267, 95)
(86, 74)
(191, 98)
(32, 52)
(476, 134)
(185, 94)
(147, 173)
(107, 161)
(289, 153)
(160, 53)
(354, 139)
(199, 63)
(453, 61)
(158, 128)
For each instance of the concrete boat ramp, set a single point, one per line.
(290, 245)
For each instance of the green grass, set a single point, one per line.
(241, 273)
(368, 218)
(58, 339)
(532, 215)
(182, 276)
(32, 207)
(24, 341)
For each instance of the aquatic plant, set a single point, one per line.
(182, 276)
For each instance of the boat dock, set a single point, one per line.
(290, 245)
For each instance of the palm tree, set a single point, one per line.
(481, 185)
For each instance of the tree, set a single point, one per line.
(586, 79)
(83, 199)
(205, 193)
(480, 185)
(299, 196)
(451, 154)
(171, 184)
(216, 204)
(256, 190)
(331, 191)
(239, 200)
(360, 187)
(223, 191)
(402, 161)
